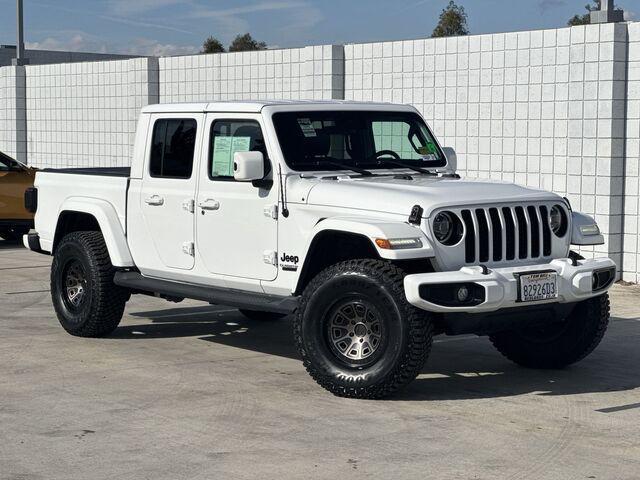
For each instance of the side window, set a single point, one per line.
(172, 148)
(227, 138)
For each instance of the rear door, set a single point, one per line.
(166, 199)
(237, 230)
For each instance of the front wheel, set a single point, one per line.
(356, 332)
(558, 345)
(86, 301)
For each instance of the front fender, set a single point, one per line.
(584, 230)
(373, 228)
(370, 229)
(110, 226)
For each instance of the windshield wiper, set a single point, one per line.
(400, 163)
(343, 166)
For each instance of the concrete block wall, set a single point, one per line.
(299, 73)
(84, 114)
(541, 108)
(13, 112)
(556, 109)
(631, 229)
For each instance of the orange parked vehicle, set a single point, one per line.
(15, 178)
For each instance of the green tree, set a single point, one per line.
(245, 43)
(584, 19)
(212, 45)
(453, 22)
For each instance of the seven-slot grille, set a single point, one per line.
(506, 233)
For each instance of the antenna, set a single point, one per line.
(283, 194)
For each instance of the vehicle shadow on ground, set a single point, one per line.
(10, 244)
(459, 368)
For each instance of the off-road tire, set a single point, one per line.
(576, 338)
(262, 316)
(409, 339)
(101, 310)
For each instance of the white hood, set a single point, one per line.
(394, 195)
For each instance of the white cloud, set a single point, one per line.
(129, 7)
(75, 42)
(145, 46)
(84, 42)
(229, 22)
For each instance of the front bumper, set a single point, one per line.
(500, 285)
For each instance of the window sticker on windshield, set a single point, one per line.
(307, 127)
(223, 150)
(428, 152)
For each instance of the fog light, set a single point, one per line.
(462, 294)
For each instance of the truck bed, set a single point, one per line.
(77, 188)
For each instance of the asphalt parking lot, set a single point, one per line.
(192, 391)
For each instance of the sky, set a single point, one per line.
(174, 27)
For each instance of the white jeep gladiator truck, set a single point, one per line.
(350, 216)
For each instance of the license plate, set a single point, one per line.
(538, 286)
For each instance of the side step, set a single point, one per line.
(221, 296)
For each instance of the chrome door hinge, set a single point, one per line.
(271, 211)
(189, 205)
(270, 257)
(188, 248)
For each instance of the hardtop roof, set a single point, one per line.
(256, 106)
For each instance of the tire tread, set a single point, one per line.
(595, 321)
(420, 331)
(108, 300)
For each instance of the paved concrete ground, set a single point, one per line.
(199, 392)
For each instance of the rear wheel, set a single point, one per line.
(262, 316)
(356, 332)
(558, 344)
(86, 301)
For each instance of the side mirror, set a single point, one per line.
(452, 159)
(248, 166)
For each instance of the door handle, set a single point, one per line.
(155, 200)
(209, 204)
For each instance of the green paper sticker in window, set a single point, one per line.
(429, 149)
(224, 149)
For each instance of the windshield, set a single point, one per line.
(338, 140)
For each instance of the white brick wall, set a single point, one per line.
(298, 73)
(631, 257)
(84, 114)
(556, 109)
(541, 108)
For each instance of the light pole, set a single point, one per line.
(20, 58)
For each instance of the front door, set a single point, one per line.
(167, 192)
(236, 231)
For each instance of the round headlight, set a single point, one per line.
(443, 227)
(557, 220)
